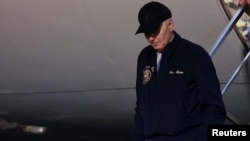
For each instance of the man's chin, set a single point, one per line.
(158, 48)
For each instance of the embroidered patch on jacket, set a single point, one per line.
(147, 73)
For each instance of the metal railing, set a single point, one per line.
(218, 43)
(222, 37)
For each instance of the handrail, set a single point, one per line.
(235, 73)
(226, 30)
(220, 40)
(222, 37)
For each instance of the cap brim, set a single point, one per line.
(148, 28)
(139, 30)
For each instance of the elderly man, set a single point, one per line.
(178, 92)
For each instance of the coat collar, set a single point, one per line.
(170, 47)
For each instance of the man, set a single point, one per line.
(243, 2)
(178, 92)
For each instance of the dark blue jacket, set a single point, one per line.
(179, 100)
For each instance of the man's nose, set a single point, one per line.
(151, 39)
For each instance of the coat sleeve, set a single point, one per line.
(137, 130)
(210, 96)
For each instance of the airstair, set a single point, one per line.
(231, 24)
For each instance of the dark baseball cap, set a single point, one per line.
(151, 15)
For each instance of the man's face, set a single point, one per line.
(159, 39)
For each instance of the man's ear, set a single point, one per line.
(171, 25)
